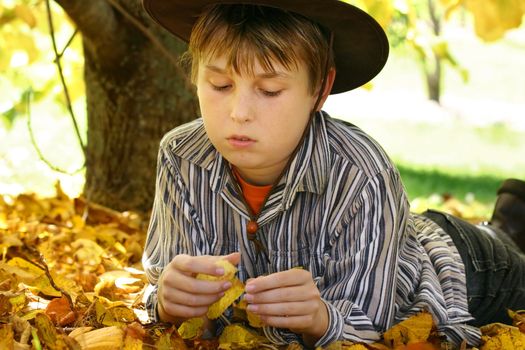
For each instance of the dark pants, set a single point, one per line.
(495, 270)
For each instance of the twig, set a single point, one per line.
(33, 141)
(43, 265)
(68, 43)
(61, 74)
(156, 42)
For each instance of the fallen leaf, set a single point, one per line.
(412, 330)
(235, 336)
(59, 311)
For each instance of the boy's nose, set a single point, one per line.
(241, 111)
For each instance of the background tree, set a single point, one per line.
(419, 24)
(135, 92)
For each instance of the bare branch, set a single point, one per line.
(61, 74)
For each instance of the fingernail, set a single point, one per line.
(227, 285)
(252, 308)
(250, 288)
(248, 297)
(219, 271)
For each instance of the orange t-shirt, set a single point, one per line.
(254, 195)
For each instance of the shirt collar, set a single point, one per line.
(308, 171)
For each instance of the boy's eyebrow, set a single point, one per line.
(265, 75)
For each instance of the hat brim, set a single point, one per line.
(360, 44)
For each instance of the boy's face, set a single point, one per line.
(255, 121)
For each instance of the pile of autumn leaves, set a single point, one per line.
(71, 278)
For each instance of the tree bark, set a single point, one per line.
(134, 95)
(434, 72)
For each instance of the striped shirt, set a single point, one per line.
(340, 211)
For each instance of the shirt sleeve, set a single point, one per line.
(359, 282)
(173, 229)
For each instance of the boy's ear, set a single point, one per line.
(330, 78)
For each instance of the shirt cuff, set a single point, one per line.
(151, 303)
(334, 331)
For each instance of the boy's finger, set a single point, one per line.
(234, 258)
(279, 295)
(190, 284)
(197, 264)
(282, 279)
(191, 299)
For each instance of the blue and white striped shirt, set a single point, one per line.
(340, 211)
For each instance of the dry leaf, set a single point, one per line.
(169, 340)
(253, 319)
(103, 338)
(233, 293)
(502, 337)
(235, 336)
(6, 336)
(191, 328)
(415, 329)
(59, 311)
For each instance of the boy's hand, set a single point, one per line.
(181, 296)
(289, 299)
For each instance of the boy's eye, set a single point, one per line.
(220, 87)
(271, 93)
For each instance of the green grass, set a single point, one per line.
(425, 182)
(469, 144)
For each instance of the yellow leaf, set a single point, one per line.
(131, 343)
(381, 10)
(415, 329)
(26, 266)
(253, 319)
(32, 276)
(232, 294)
(67, 284)
(492, 18)
(169, 339)
(229, 272)
(6, 337)
(46, 330)
(23, 12)
(191, 328)
(18, 302)
(504, 338)
(87, 251)
(123, 314)
(239, 335)
(8, 240)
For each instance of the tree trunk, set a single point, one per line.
(433, 78)
(433, 74)
(134, 95)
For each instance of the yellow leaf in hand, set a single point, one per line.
(232, 294)
(229, 272)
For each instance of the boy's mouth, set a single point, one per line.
(240, 140)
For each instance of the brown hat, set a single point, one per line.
(360, 44)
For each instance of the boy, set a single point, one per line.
(269, 182)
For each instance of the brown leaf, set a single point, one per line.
(59, 311)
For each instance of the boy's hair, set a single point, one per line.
(246, 34)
